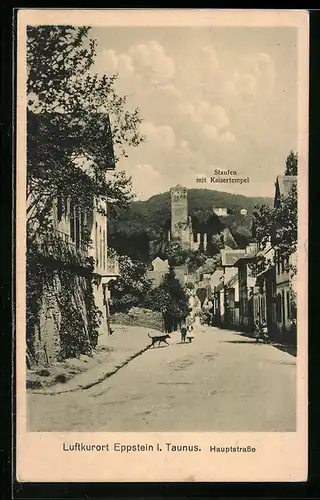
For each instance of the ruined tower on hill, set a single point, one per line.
(181, 226)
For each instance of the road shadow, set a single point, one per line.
(242, 342)
(184, 343)
(290, 349)
(158, 347)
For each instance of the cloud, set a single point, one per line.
(210, 131)
(227, 137)
(144, 178)
(161, 136)
(198, 113)
(203, 121)
(204, 112)
(170, 89)
(148, 60)
(151, 59)
(255, 77)
(109, 62)
(209, 57)
(184, 144)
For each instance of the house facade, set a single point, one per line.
(158, 269)
(226, 292)
(65, 302)
(283, 268)
(247, 282)
(264, 295)
(231, 299)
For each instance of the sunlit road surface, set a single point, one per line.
(222, 381)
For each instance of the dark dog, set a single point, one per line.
(159, 338)
(183, 332)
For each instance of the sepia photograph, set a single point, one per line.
(162, 231)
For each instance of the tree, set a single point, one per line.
(286, 223)
(132, 286)
(278, 225)
(171, 299)
(262, 224)
(292, 164)
(194, 259)
(68, 124)
(178, 256)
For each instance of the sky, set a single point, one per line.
(210, 98)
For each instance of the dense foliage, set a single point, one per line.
(278, 225)
(292, 164)
(74, 118)
(171, 299)
(131, 287)
(69, 136)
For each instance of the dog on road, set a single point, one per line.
(159, 339)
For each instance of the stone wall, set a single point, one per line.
(139, 316)
(61, 326)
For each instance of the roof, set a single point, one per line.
(246, 257)
(232, 281)
(285, 183)
(228, 238)
(230, 257)
(265, 271)
(215, 277)
(219, 287)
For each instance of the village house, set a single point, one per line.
(283, 264)
(157, 270)
(215, 282)
(264, 292)
(78, 270)
(227, 291)
(220, 211)
(231, 290)
(71, 224)
(246, 277)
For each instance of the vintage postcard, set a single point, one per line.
(161, 229)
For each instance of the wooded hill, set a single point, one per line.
(147, 220)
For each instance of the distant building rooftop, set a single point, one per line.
(233, 279)
(246, 257)
(216, 277)
(230, 257)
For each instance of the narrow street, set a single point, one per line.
(222, 381)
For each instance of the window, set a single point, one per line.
(72, 232)
(59, 208)
(288, 305)
(263, 310)
(283, 308)
(83, 218)
(77, 227)
(278, 308)
(104, 249)
(286, 263)
(66, 206)
(278, 263)
(100, 242)
(96, 244)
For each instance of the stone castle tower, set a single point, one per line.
(181, 227)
